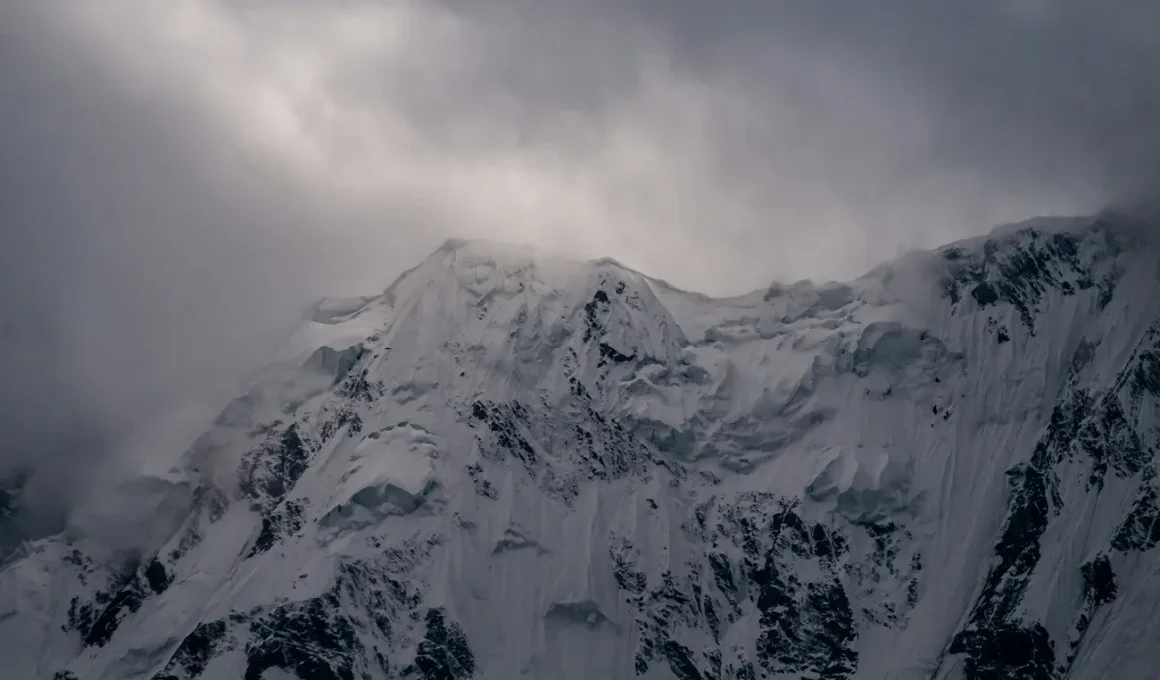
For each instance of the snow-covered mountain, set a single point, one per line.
(510, 465)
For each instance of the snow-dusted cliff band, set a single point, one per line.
(513, 466)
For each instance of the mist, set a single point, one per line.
(180, 179)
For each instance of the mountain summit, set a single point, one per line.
(512, 465)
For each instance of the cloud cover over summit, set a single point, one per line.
(180, 178)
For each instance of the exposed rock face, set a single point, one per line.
(513, 466)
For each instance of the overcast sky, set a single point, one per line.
(178, 178)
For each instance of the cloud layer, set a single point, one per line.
(179, 178)
(826, 134)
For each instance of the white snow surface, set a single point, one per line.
(547, 462)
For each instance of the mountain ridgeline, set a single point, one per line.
(511, 465)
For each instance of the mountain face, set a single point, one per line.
(512, 466)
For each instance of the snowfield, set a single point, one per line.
(512, 465)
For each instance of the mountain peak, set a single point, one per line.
(472, 269)
(519, 464)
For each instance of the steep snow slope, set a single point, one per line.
(511, 465)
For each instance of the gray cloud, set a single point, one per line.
(1031, 91)
(179, 178)
(144, 258)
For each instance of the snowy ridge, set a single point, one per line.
(515, 465)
